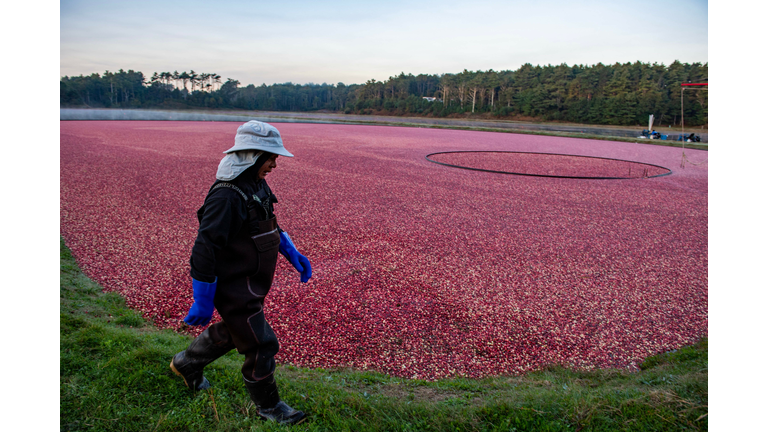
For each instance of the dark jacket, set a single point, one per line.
(223, 247)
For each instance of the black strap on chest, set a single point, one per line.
(252, 204)
(231, 186)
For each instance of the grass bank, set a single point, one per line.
(115, 377)
(597, 132)
(664, 143)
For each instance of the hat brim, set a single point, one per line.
(274, 150)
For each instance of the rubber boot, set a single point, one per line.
(265, 396)
(189, 363)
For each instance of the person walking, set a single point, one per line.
(233, 264)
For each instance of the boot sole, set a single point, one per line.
(173, 368)
(267, 419)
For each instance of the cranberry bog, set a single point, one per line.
(421, 269)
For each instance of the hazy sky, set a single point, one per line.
(300, 41)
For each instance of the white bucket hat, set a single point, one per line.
(256, 135)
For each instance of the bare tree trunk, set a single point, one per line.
(474, 96)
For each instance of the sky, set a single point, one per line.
(268, 42)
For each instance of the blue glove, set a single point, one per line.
(202, 309)
(299, 261)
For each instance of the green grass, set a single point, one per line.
(115, 377)
(409, 122)
(583, 135)
(404, 122)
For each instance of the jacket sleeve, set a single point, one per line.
(224, 213)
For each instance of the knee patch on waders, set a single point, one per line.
(260, 361)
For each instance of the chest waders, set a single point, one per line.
(245, 270)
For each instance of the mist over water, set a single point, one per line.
(120, 114)
(333, 118)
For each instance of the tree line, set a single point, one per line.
(618, 94)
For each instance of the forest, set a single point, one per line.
(619, 94)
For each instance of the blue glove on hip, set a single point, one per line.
(202, 309)
(299, 261)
